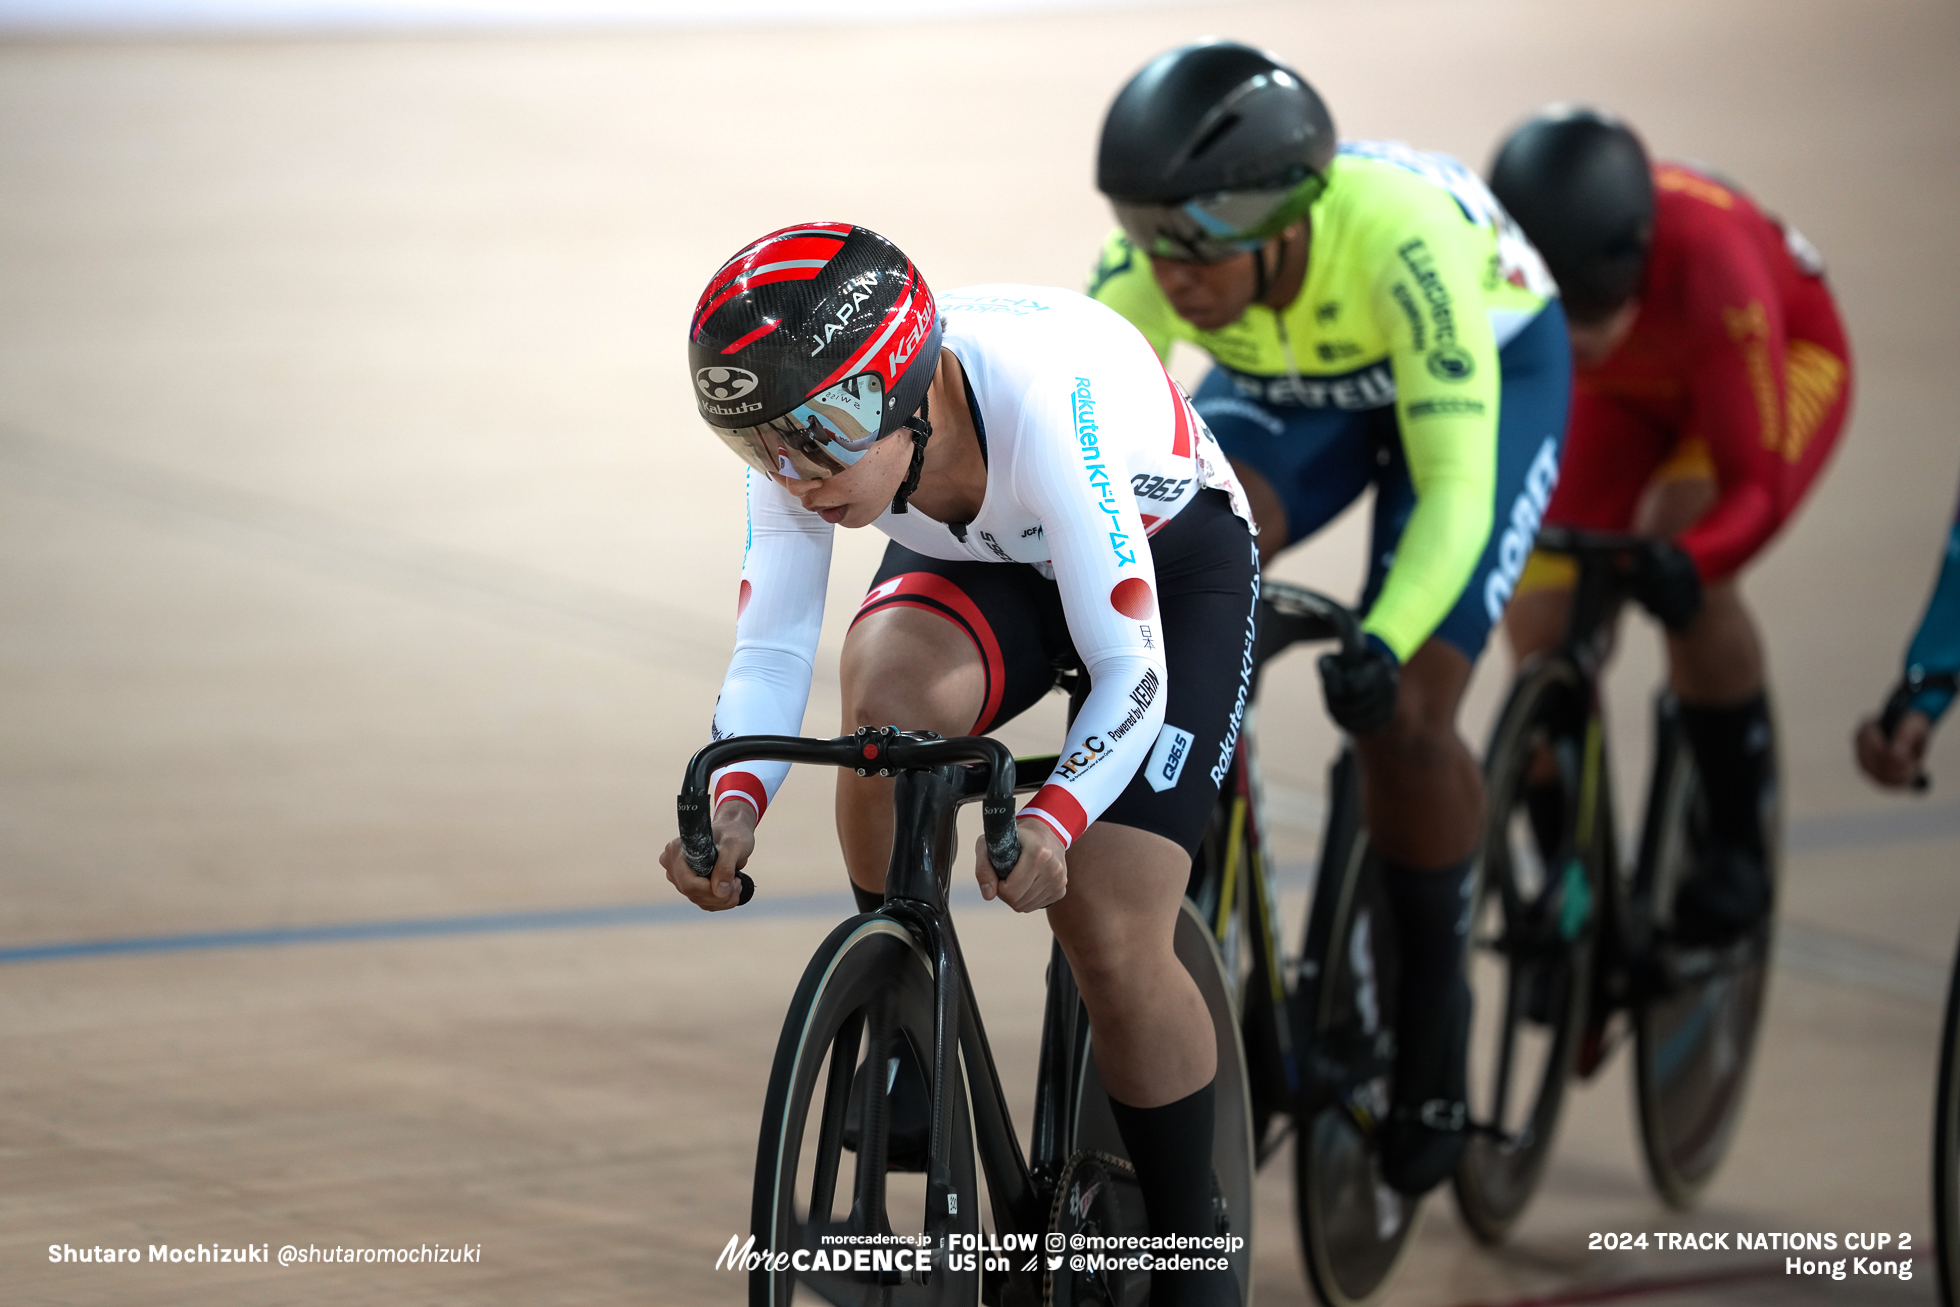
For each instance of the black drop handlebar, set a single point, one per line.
(881, 752)
(1289, 614)
(1583, 544)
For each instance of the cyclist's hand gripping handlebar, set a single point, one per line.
(883, 752)
(1360, 681)
(1915, 682)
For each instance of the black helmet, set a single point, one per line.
(810, 345)
(1578, 182)
(1211, 150)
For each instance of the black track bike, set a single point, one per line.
(1308, 1044)
(1317, 1027)
(1946, 1100)
(830, 1214)
(1571, 944)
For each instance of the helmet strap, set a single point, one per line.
(1263, 279)
(920, 425)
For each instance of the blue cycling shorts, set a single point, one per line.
(1319, 460)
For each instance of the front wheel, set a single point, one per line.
(1354, 1228)
(1697, 1010)
(868, 988)
(1946, 1148)
(1531, 941)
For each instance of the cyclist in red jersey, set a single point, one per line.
(1712, 379)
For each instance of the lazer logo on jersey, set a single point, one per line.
(726, 384)
(1093, 751)
(1527, 511)
(1166, 763)
(1142, 695)
(1083, 405)
(861, 287)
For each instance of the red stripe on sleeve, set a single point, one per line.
(1181, 441)
(1058, 808)
(741, 785)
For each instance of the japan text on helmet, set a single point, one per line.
(1579, 184)
(1211, 150)
(811, 344)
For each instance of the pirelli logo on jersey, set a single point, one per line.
(1082, 404)
(1364, 388)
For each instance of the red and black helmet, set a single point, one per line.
(810, 344)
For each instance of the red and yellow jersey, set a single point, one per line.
(1736, 347)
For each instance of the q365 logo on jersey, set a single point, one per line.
(725, 383)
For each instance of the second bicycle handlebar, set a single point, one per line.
(1290, 614)
(884, 752)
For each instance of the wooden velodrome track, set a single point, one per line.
(364, 576)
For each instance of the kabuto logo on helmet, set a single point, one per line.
(725, 383)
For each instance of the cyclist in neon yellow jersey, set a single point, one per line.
(1375, 319)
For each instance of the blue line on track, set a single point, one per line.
(502, 923)
(1819, 834)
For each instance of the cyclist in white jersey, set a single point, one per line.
(1052, 500)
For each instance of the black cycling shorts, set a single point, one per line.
(1207, 594)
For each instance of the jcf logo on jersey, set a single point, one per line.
(1167, 759)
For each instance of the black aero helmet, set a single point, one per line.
(1213, 149)
(811, 344)
(1578, 182)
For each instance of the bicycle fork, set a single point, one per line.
(924, 843)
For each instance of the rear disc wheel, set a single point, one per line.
(1699, 1009)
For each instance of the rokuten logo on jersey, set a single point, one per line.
(726, 383)
(1082, 405)
(1237, 719)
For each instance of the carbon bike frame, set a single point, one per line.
(932, 783)
(1626, 926)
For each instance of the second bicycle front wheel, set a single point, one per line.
(1697, 1010)
(1946, 1148)
(1354, 1228)
(823, 1192)
(1530, 944)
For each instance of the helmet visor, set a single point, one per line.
(819, 437)
(1213, 228)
